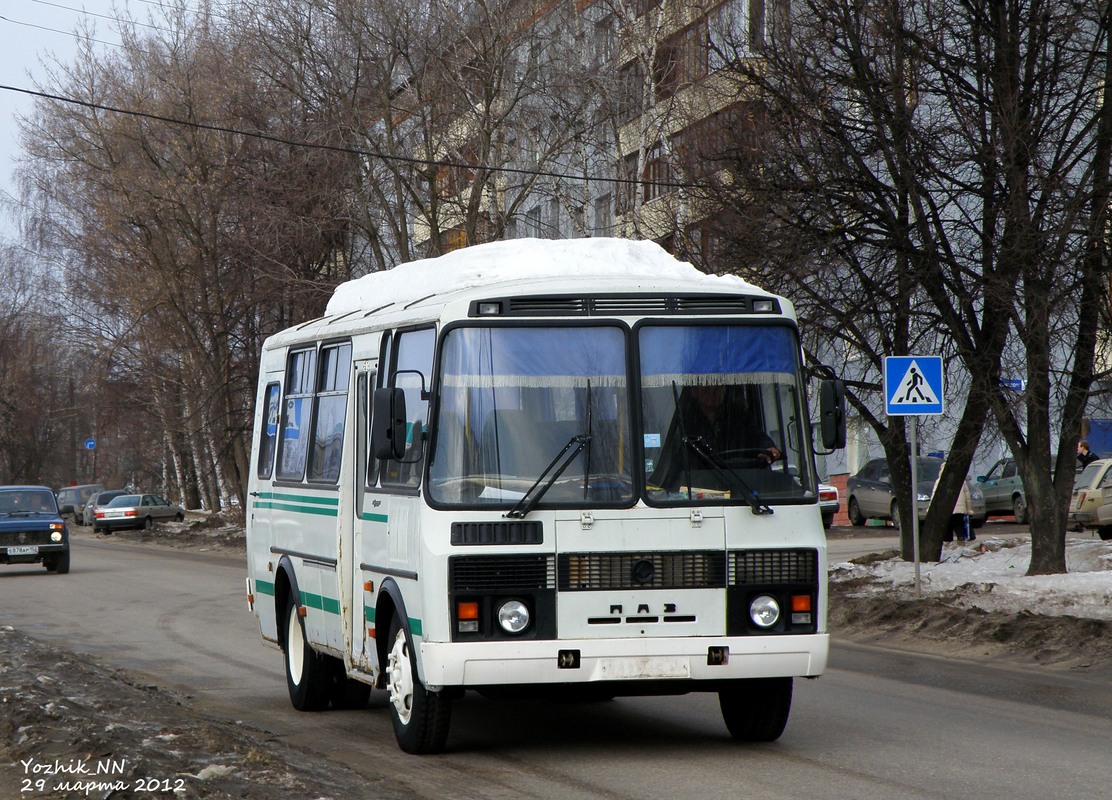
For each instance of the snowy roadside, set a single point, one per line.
(989, 574)
(979, 601)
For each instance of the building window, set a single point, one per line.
(532, 223)
(603, 222)
(657, 173)
(454, 239)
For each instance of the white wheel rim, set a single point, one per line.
(295, 647)
(399, 681)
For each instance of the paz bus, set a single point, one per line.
(487, 471)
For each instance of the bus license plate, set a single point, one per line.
(647, 667)
(25, 550)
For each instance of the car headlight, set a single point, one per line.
(56, 536)
(764, 611)
(513, 616)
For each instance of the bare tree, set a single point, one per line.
(940, 168)
(196, 237)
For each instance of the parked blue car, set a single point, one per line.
(32, 529)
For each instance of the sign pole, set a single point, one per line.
(915, 501)
(913, 385)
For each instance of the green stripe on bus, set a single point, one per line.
(323, 512)
(327, 604)
(415, 626)
(367, 516)
(300, 498)
(264, 587)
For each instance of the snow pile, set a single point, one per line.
(639, 264)
(990, 575)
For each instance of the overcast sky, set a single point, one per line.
(30, 30)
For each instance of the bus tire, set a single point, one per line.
(420, 717)
(307, 674)
(346, 693)
(756, 710)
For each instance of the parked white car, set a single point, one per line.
(828, 503)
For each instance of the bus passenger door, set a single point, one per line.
(260, 560)
(369, 527)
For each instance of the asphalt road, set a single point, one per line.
(879, 724)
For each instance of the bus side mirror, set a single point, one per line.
(388, 424)
(832, 414)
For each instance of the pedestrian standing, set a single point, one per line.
(1084, 454)
(959, 527)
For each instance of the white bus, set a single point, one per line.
(576, 467)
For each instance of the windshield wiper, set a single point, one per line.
(530, 499)
(700, 448)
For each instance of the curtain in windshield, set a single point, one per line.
(513, 398)
(723, 414)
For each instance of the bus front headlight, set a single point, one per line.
(764, 611)
(513, 616)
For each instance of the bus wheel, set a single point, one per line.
(420, 717)
(756, 710)
(345, 692)
(307, 674)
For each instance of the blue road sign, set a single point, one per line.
(90, 443)
(1015, 384)
(913, 385)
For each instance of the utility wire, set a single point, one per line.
(346, 150)
(87, 13)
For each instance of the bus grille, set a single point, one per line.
(501, 573)
(509, 532)
(682, 570)
(765, 567)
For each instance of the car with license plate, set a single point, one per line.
(828, 503)
(72, 499)
(1005, 494)
(32, 531)
(136, 511)
(1091, 504)
(94, 502)
(870, 494)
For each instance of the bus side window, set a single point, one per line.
(366, 389)
(411, 372)
(328, 422)
(293, 446)
(268, 437)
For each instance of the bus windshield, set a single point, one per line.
(522, 404)
(723, 414)
(548, 408)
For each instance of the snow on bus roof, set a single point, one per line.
(633, 262)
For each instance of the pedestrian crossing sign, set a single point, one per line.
(913, 385)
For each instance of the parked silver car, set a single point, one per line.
(136, 511)
(871, 496)
(1004, 491)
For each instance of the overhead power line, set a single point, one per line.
(346, 150)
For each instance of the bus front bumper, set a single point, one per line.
(624, 660)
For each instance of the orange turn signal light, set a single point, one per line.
(801, 602)
(469, 610)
